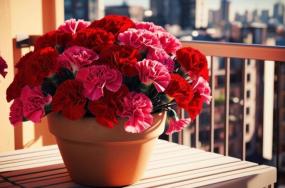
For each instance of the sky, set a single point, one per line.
(236, 5)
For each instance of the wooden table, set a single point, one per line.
(171, 165)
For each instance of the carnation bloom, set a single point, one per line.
(106, 109)
(72, 26)
(195, 105)
(137, 108)
(36, 66)
(69, 100)
(146, 41)
(160, 55)
(94, 39)
(168, 42)
(3, 66)
(16, 112)
(194, 62)
(123, 58)
(53, 39)
(180, 90)
(139, 38)
(76, 57)
(202, 86)
(96, 78)
(151, 71)
(177, 125)
(113, 23)
(34, 102)
(149, 26)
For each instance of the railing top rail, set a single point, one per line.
(236, 50)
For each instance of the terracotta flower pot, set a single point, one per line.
(99, 156)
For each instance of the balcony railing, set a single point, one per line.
(269, 60)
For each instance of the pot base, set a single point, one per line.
(106, 164)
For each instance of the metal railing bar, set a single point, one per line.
(181, 133)
(170, 139)
(212, 109)
(243, 151)
(227, 104)
(197, 132)
(236, 50)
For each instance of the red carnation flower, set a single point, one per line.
(69, 100)
(94, 39)
(32, 69)
(3, 66)
(194, 62)
(195, 106)
(14, 89)
(106, 109)
(113, 24)
(39, 65)
(180, 90)
(54, 39)
(123, 58)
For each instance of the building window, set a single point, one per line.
(248, 94)
(248, 62)
(247, 110)
(248, 77)
(247, 128)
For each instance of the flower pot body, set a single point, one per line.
(100, 156)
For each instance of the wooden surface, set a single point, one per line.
(171, 165)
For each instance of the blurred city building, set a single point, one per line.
(187, 14)
(278, 12)
(134, 12)
(84, 9)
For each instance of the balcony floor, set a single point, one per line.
(171, 165)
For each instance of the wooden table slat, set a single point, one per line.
(219, 177)
(182, 176)
(171, 165)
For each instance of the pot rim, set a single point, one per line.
(88, 130)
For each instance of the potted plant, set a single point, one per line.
(107, 88)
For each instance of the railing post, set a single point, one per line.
(227, 107)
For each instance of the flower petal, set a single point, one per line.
(177, 125)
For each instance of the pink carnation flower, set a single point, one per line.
(202, 86)
(139, 38)
(16, 112)
(168, 42)
(34, 102)
(3, 66)
(177, 125)
(149, 26)
(73, 26)
(146, 40)
(76, 57)
(96, 78)
(160, 55)
(151, 71)
(137, 108)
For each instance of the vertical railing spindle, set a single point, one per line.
(197, 132)
(227, 105)
(181, 133)
(243, 152)
(212, 110)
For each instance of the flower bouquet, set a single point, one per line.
(109, 76)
